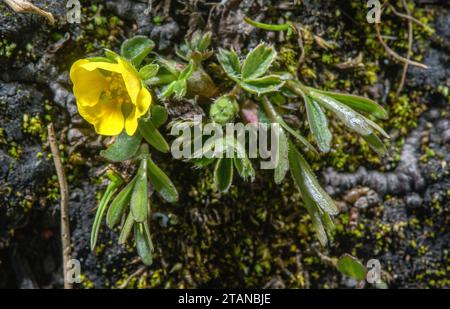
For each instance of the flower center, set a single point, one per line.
(116, 91)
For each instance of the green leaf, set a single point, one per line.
(136, 49)
(124, 147)
(230, 63)
(149, 71)
(359, 103)
(223, 174)
(376, 144)
(162, 183)
(307, 181)
(159, 115)
(275, 117)
(318, 123)
(245, 168)
(168, 90)
(316, 218)
(169, 65)
(115, 183)
(139, 197)
(119, 204)
(203, 162)
(262, 85)
(205, 41)
(282, 157)
(143, 244)
(126, 229)
(377, 127)
(100, 59)
(152, 135)
(351, 267)
(299, 137)
(112, 55)
(351, 118)
(258, 61)
(180, 88)
(187, 71)
(268, 27)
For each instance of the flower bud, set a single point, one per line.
(224, 109)
(200, 83)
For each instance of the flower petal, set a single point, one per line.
(94, 65)
(110, 119)
(131, 78)
(143, 102)
(83, 81)
(131, 123)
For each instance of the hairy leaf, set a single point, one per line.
(376, 144)
(258, 61)
(118, 205)
(124, 147)
(126, 229)
(162, 183)
(159, 115)
(351, 267)
(115, 183)
(149, 71)
(143, 244)
(136, 49)
(359, 103)
(230, 63)
(152, 135)
(282, 157)
(351, 118)
(316, 217)
(139, 197)
(307, 181)
(318, 124)
(223, 174)
(262, 85)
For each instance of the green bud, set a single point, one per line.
(224, 109)
(200, 83)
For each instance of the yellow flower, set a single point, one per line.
(110, 96)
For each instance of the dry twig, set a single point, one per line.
(23, 6)
(408, 55)
(64, 191)
(393, 53)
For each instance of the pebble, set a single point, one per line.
(362, 203)
(413, 200)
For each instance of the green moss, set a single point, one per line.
(15, 150)
(7, 48)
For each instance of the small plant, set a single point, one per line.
(115, 93)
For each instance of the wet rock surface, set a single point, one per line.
(258, 235)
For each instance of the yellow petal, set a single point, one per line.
(131, 124)
(106, 116)
(94, 65)
(143, 102)
(87, 85)
(131, 79)
(89, 113)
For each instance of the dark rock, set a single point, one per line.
(413, 200)
(362, 203)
